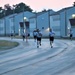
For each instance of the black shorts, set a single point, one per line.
(23, 36)
(11, 34)
(35, 37)
(51, 38)
(70, 35)
(38, 38)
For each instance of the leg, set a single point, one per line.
(37, 43)
(40, 41)
(50, 41)
(23, 38)
(35, 38)
(51, 44)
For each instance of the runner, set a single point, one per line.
(51, 37)
(11, 35)
(35, 35)
(39, 36)
(23, 36)
(71, 34)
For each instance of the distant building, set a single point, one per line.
(41, 21)
(20, 18)
(55, 23)
(2, 32)
(59, 21)
(4, 26)
(65, 24)
(11, 24)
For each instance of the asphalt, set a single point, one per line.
(27, 59)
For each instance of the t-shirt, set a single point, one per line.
(51, 34)
(34, 33)
(39, 34)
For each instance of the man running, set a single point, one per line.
(39, 36)
(71, 34)
(51, 37)
(35, 35)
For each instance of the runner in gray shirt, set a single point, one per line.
(39, 36)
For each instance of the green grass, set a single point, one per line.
(7, 44)
(18, 37)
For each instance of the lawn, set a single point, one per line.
(4, 44)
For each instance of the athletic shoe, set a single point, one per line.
(37, 46)
(51, 46)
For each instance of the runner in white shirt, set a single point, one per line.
(35, 35)
(51, 37)
(39, 36)
(71, 34)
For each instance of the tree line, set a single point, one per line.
(18, 8)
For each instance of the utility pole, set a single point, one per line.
(36, 21)
(49, 18)
(24, 27)
(65, 21)
(4, 22)
(14, 18)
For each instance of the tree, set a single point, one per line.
(1, 12)
(18, 8)
(74, 4)
(44, 10)
(1, 9)
(8, 10)
(22, 7)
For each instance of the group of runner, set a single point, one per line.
(38, 35)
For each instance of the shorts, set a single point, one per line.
(35, 37)
(38, 38)
(70, 35)
(51, 38)
(11, 34)
(23, 36)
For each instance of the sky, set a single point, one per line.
(39, 5)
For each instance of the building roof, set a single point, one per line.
(63, 9)
(40, 13)
(37, 14)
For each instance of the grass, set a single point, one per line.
(18, 37)
(4, 44)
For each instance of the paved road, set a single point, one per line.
(27, 59)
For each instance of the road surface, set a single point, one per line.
(27, 59)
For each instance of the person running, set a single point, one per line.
(23, 36)
(71, 34)
(35, 35)
(11, 35)
(51, 37)
(39, 36)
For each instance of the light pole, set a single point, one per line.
(19, 31)
(4, 23)
(36, 21)
(23, 21)
(65, 22)
(73, 16)
(25, 29)
(14, 18)
(68, 33)
(14, 24)
(49, 18)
